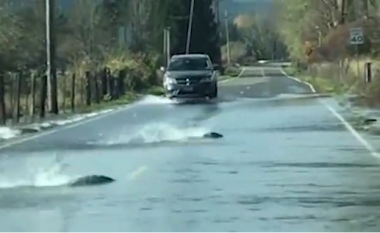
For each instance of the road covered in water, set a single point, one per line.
(287, 162)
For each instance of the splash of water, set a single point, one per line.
(8, 133)
(152, 99)
(160, 132)
(38, 176)
(299, 96)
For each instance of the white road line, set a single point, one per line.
(62, 128)
(239, 75)
(300, 81)
(346, 124)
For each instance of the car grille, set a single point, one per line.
(190, 80)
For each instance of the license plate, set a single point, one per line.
(187, 88)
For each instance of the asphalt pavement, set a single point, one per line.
(288, 162)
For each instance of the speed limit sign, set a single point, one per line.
(356, 36)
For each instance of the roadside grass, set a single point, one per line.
(322, 85)
(128, 98)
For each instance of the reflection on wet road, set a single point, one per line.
(285, 164)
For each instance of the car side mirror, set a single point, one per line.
(162, 68)
(215, 67)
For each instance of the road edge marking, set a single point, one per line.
(346, 124)
(232, 78)
(65, 127)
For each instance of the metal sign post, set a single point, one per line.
(368, 72)
(165, 44)
(356, 39)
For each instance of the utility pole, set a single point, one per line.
(189, 28)
(167, 45)
(343, 12)
(51, 56)
(217, 12)
(366, 4)
(227, 37)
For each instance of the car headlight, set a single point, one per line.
(170, 80)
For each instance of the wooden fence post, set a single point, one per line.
(11, 95)
(110, 85)
(25, 84)
(116, 90)
(121, 81)
(18, 96)
(33, 93)
(96, 88)
(72, 97)
(104, 82)
(88, 88)
(43, 95)
(64, 90)
(3, 113)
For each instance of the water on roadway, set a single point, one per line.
(285, 164)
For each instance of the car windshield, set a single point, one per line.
(189, 64)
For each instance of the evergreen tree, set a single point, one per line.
(181, 20)
(205, 30)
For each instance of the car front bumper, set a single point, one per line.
(190, 91)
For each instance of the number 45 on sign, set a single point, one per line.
(356, 36)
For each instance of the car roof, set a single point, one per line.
(195, 55)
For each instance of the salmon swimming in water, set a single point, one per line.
(212, 135)
(91, 180)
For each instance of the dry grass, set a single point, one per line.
(346, 77)
(335, 67)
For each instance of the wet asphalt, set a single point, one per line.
(286, 163)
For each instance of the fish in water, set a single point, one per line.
(369, 121)
(91, 180)
(212, 135)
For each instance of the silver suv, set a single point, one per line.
(190, 76)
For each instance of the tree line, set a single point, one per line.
(122, 37)
(317, 37)
(252, 37)
(315, 31)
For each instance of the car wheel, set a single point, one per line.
(214, 91)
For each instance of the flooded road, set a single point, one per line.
(286, 163)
